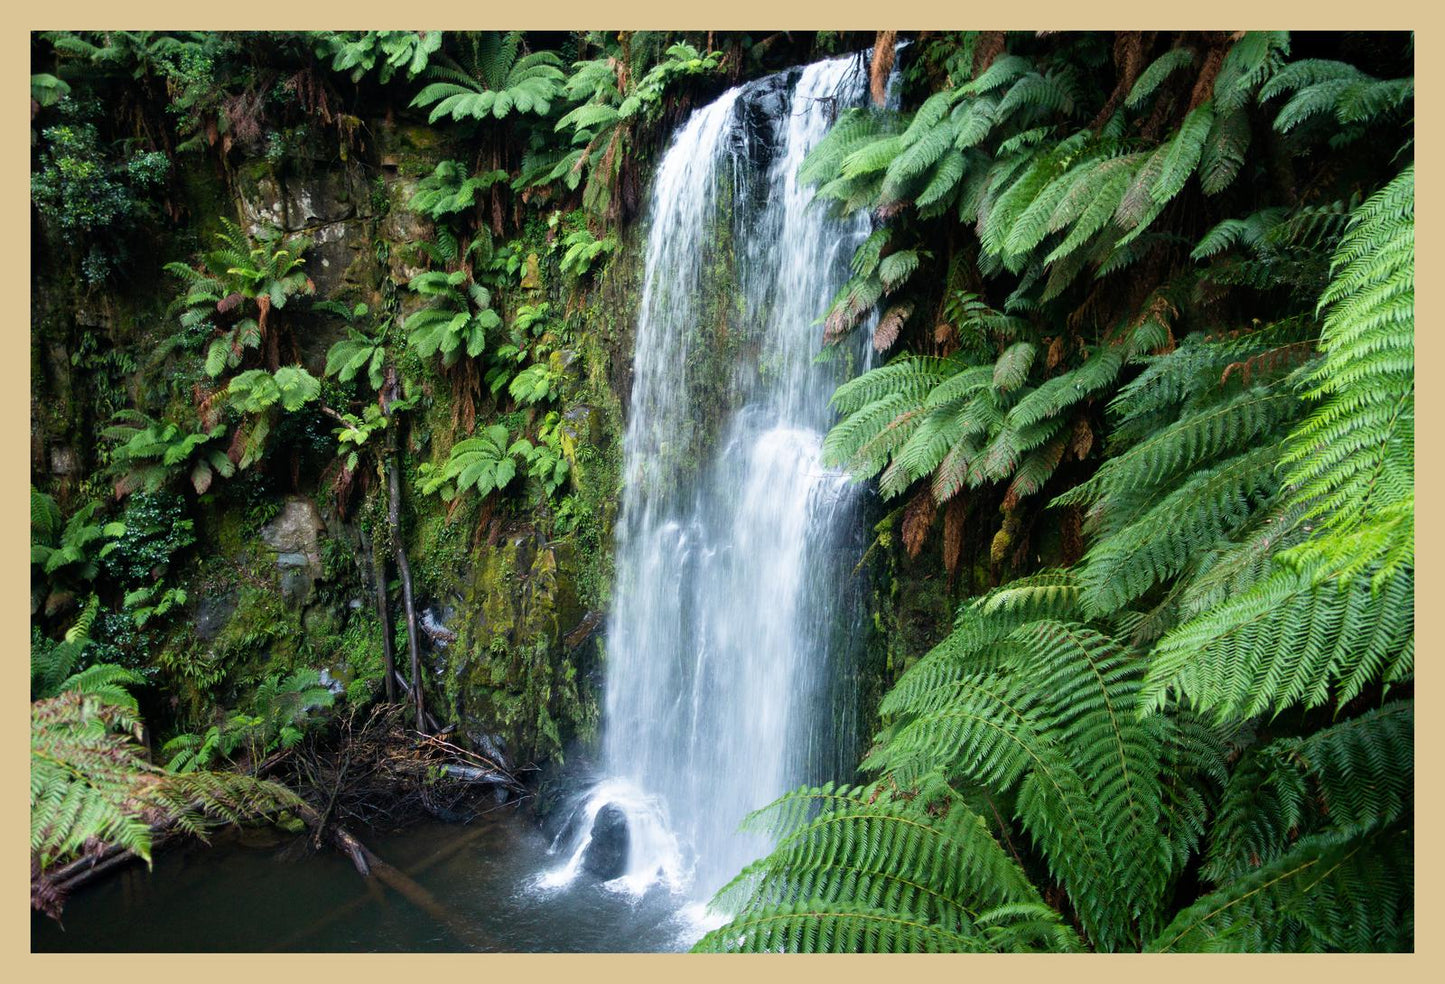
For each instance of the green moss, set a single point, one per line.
(507, 671)
(413, 150)
(207, 199)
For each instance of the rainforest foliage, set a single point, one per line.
(1142, 304)
(1154, 290)
(354, 272)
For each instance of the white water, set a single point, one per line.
(729, 640)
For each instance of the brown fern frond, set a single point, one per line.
(1128, 59)
(207, 405)
(1057, 349)
(1285, 355)
(886, 332)
(917, 518)
(1082, 440)
(990, 46)
(1204, 84)
(882, 65)
(237, 446)
(953, 517)
(836, 325)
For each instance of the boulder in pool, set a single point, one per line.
(606, 855)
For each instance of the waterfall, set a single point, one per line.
(730, 641)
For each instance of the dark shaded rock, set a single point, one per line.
(335, 249)
(606, 854)
(296, 584)
(64, 461)
(59, 602)
(213, 613)
(317, 199)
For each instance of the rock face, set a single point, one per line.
(606, 855)
(293, 535)
(507, 672)
(509, 615)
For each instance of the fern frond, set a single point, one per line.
(1330, 891)
(1354, 456)
(1356, 775)
(1159, 69)
(1288, 641)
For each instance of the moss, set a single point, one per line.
(413, 150)
(207, 199)
(507, 672)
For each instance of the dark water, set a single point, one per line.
(264, 892)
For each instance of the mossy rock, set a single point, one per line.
(508, 674)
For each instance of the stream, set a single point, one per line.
(261, 891)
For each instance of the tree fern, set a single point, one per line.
(1354, 457)
(1356, 775)
(1209, 505)
(1056, 724)
(1156, 710)
(1330, 891)
(88, 782)
(865, 860)
(498, 82)
(1290, 640)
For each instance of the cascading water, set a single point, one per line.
(730, 641)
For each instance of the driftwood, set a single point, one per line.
(431, 861)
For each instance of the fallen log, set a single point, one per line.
(435, 858)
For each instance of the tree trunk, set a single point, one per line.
(393, 516)
(392, 465)
(383, 612)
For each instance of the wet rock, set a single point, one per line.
(606, 855)
(294, 529)
(562, 361)
(583, 424)
(261, 199)
(335, 251)
(403, 229)
(296, 585)
(64, 461)
(532, 278)
(213, 613)
(293, 535)
(433, 624)
(507, 673)
(321, 621)
(317, 199)
(585, 629)
(332, 683)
